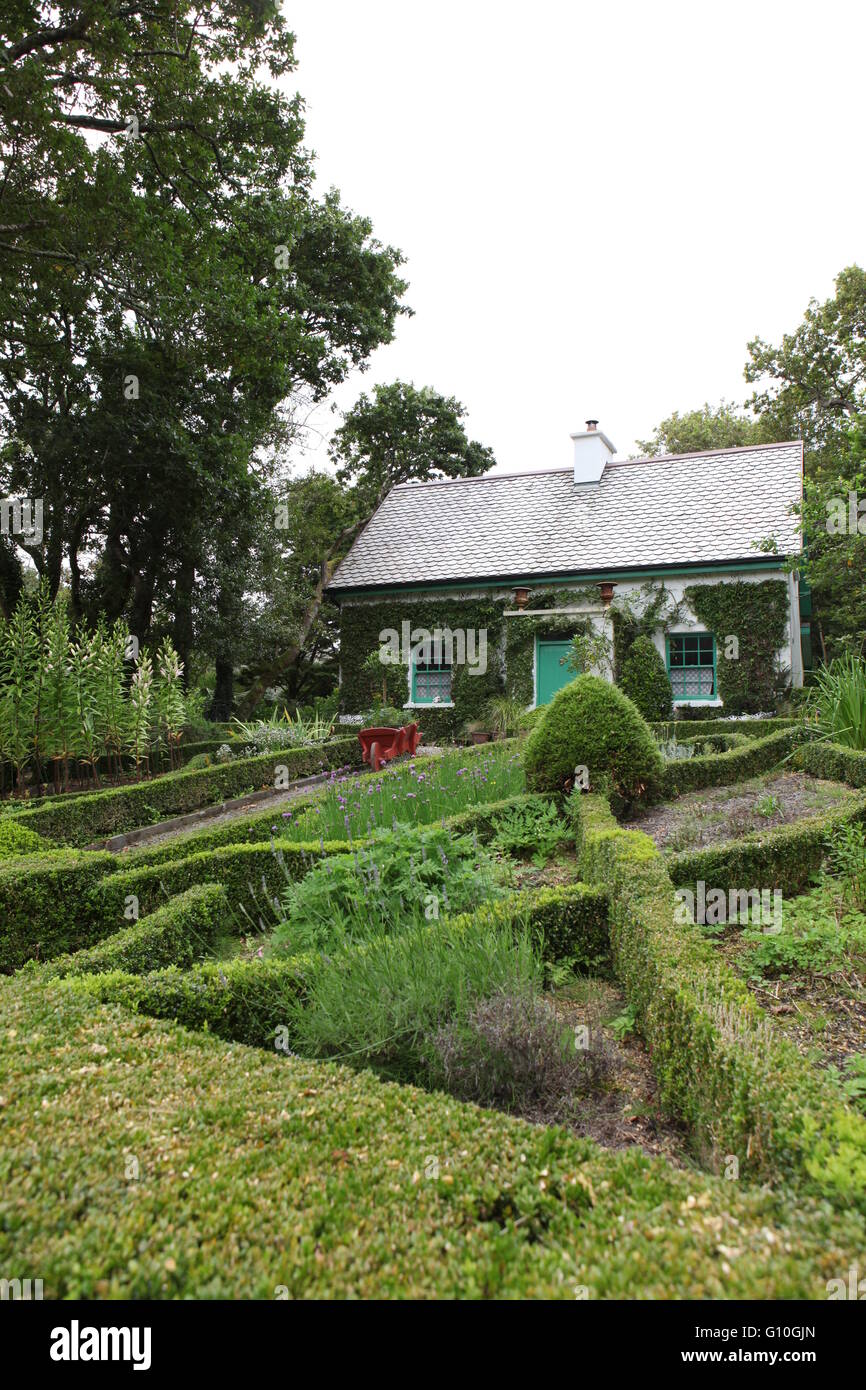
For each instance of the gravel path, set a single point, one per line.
(310, 791)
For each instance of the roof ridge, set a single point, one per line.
(610, 463)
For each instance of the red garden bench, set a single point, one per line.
(379, 746)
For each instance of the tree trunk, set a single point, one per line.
(220, 709)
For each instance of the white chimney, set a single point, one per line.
(592, 450)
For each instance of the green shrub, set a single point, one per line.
(833, 761)
(178, 934)
(16, 840)
(397, 879)
(380, 1005)
(591, 723)
(645, 679)
(47, 905)
(197, 761)
(785, 857)
(684, 726)
(239, 1000)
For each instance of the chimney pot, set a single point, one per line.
(592, 424)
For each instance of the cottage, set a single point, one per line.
(688, 547)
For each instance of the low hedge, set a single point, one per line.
(260, 1176)
(179, 933)
(241, 870)
(83, 819)
(785, 857)
(744, 1091)
(752, 728)
(45, 905)
(683, 775)
(832, 760)
(239, 1000)
(244, 1001)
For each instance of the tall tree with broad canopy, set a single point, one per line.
(170, 282)
(397, 434)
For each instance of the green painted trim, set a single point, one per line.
(535, 581)
(688, 699)
(421, 703)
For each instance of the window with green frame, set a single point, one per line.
(431, 683)
(692, 665)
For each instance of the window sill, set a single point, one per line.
(429, 704)
(706, 703)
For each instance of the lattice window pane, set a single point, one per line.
(433, 684)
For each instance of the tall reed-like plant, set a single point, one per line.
(840, 701)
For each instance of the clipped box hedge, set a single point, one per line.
(83, 819)
(683, 729)
(744, 1090)
(178, 933)
(172, 1165)
(237, 1000)
(786, 857)
(833, 761)
(46, 905)
(683, 775)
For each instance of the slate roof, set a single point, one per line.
(680, 509)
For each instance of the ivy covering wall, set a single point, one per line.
(510, 649)
(757, 615)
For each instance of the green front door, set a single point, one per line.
(551, 673)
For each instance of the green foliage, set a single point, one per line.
(505, 716)
(745, 760)
(532, 828)
(757, 615)
(819, 936)
(786, 857)
(65, 697)
(45, 905)
(840, 701)
(398, 879)
(360, 625)
(591, 723)
(16, 840)
(380, 1006)
(177, 934)
(743, 1089)
(645, 680)
(526, 1211)
(835, 560)
(704, 430)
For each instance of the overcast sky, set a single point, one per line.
(599, 204)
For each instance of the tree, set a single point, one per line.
(710, 427)
(175, 284)
(835, 538)
(813, 384)
(398, 434)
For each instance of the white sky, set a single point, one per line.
(599, 204)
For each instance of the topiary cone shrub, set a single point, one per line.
(645, 680)
(591, 723)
